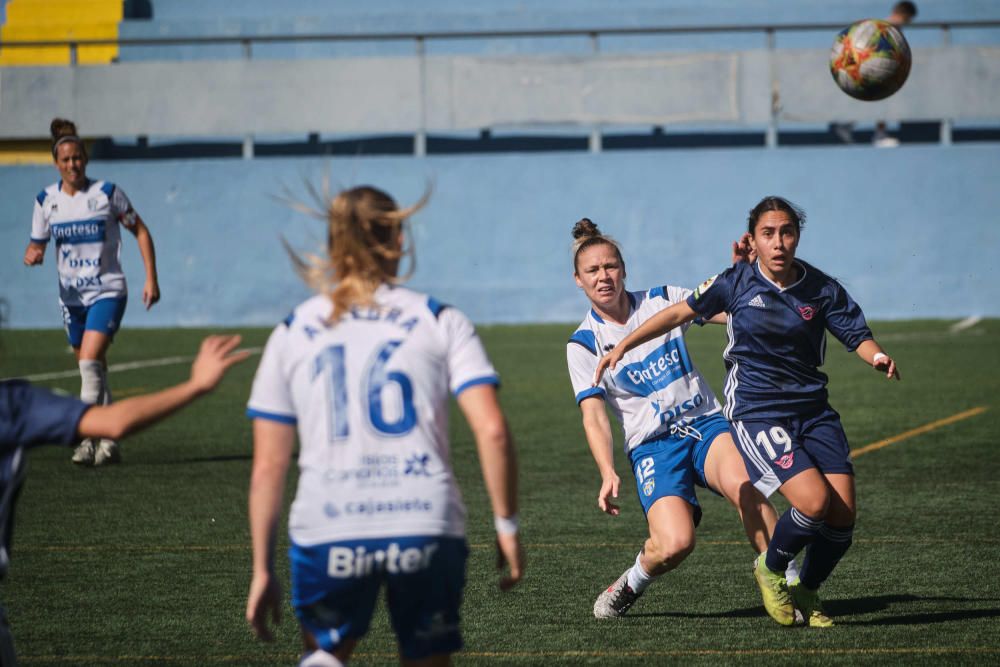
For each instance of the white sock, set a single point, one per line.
(320, 659)
(91, 387)
(105, 386)
(638, 579)
(792, 571)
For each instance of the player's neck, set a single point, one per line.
(72, 189)
(782, 279)
(618, 313)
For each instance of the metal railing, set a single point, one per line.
(421, 38)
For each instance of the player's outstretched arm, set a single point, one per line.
(272, 454)
(598, 430)
(498, 460)
(875, 356)
(657, 325)
(132, 414)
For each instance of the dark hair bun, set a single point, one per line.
(585, 228)
(61, 127)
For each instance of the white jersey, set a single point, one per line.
(654, 386)
(369, 396)
(88, 239)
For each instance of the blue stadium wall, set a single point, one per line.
(912, 232)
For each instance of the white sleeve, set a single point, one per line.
(121, 208)
(39, 224)
(468, 364)
(676, 295)
(581, 358)
(271, 397)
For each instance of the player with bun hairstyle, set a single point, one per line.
(83, 217)
(362, 372)
(791, 440)
(675, 436)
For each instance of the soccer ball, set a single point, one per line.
(870, 59)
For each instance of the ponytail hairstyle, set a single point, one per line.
(64, 131)
(772, 203)
(364, 248)
(586, 234)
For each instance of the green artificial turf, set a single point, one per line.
(148, 562)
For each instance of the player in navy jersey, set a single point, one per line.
(83, 216)
(32, 416)
(362, 374)
(780, 309)
(675, 436)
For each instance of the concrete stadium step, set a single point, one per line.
(45, 20)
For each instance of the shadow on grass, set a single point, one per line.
(840, 609)
(871, 605)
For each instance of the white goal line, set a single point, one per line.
(126, 366)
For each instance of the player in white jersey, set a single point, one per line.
(675, 435)
(83, 216)
(362, 373)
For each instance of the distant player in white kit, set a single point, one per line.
(82, 216)
(362, 374)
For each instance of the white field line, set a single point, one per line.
(126, 366)
(967, 323)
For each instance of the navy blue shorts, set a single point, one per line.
(104, 315)
(775, 450)
(335, 586)
(673, 464)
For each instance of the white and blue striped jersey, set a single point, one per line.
(88, 239)
(777, 337)
(655, 385)
(369, 395)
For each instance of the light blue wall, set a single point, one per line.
(266, 17)
(912, 232)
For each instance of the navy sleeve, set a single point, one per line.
(713, 296)
(845, 320)
(31, 416)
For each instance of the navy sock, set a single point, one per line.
(792, 533)
(824, 553)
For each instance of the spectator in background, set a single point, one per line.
(902, 14)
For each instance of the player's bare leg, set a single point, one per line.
(671, 539)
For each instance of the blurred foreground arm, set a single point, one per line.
(132, 414)
(498, 461)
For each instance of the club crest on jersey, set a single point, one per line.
(648, 487)
(786, 461)
(807, 312)
(91, 204)
(704, 286)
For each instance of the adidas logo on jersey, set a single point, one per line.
(757, 302)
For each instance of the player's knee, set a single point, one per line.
(814, 505)
(670, 550)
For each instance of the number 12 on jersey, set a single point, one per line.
(331, 364)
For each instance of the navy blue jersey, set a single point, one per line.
(34, 416)
(29, 416)
(777, 337)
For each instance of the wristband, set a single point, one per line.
(506, 525)
(879, 356)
